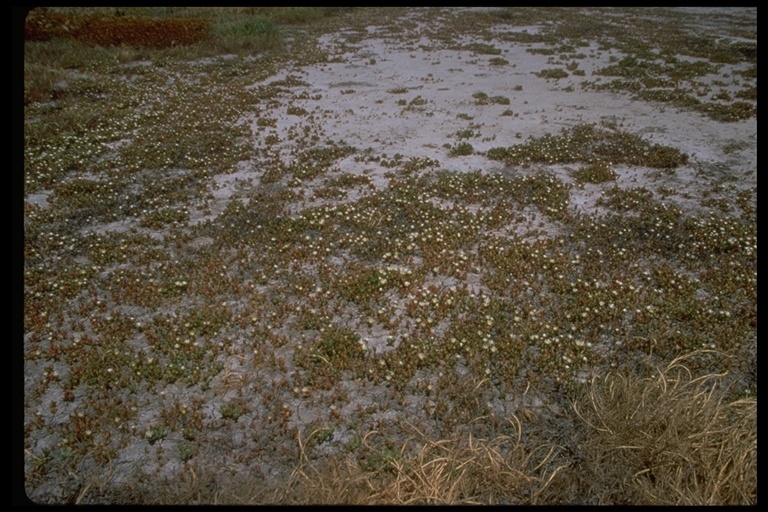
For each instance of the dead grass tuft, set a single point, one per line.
(460, 470)
(670, 438)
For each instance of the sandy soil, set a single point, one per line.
(353, 99)
(353, 95)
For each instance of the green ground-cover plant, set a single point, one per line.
(670, 57)
(619, 415)
(589, 144)
(414, 337)
(254, 31)
(483, 49)
(462, 149)
(595, 173)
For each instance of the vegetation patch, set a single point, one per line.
(589, 144)
(552, 73)
(483, 49)
(462, 149)
(595, 173)
(216, 283)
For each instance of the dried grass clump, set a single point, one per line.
(459, 470)
(671, 438)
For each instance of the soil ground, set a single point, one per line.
(393, 87)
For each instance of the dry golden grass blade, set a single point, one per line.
(82, 493)
(683, 443)
(544, 460)
(535, 497)
(364, 440)
(481, 383)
